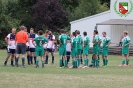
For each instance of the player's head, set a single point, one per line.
(31, 30)
(13, 30)
(40, 32)
(22, 28)
(95, 32)
(78, 32)
(85, 33)
(125, 33)
(73, 34)
(25, 29)
(62, 31)
(50, 32)
(46, 32)
(104, 34)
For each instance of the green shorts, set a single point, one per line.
(95, 50)
(105, 51)
(62, 51)
(86, 51)
(74, 53)
(79, 52)
(39, 52)
(125, 51)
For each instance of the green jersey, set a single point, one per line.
(80, 41)
(75, 43)
(125, 41)
(86, 41)
(106, 41)
(40, 41)
(63, 39)
(95, 41)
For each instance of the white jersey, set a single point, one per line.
(68, 47)
(11, 41)
(31, 38)
(51, 39)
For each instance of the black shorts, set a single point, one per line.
(68, 53)
(11, 51)
(49, 50)
(32, 50)
(21, 48)
(27, 49)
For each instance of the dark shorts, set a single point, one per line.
(21, 48)
(68, 53)
(27, 49)
(49, 50)
(32, 50)
(11, 51)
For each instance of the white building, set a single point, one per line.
(114, 21)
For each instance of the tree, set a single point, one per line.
(49, 14)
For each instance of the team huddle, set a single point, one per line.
(40, 45)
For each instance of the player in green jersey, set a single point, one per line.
(126, 41)
(39, 50)
(86, 42)
(95, 48)
(62, 48)
(99, 42)
(105, 48)
(79, 47)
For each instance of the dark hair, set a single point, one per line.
(22, 27)
(32, 29)
(96, 31)
(40, 32)
(46, 31)
(85, 33)
(104, 32)
(62, 31)
(78, 32)
(74, 34)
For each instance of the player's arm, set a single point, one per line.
(33, 42)
(129, 42)
(6, 39)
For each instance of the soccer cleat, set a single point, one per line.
(46, 62)
(42, 66)
(23, 66)
(37, 66)
(4, 65)
(121, 65)
(71, 67)
(12, 65)
(85, 67)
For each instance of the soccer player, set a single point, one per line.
(68, 51)
(32, 35)
(50, 47)
(62, 48)
(74, 50)
(105, 48)
(27, 48)
(99, 49)
(86, 42)
(95, 48)
(79, 47)
(10, 40)
(39, 41)
(126, 41)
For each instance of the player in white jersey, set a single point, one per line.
(45, 45)
(68, 51)
(10, 40)
(50, 47)
(32, 35)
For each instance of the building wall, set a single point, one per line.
(117, 31)
(88, 24)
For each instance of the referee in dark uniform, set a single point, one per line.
(21, 40)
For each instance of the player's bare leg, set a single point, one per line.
(42, 58)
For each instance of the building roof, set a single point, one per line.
(106, 12)
(116, 22)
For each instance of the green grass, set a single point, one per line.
(112, 76)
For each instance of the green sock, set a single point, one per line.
(65, 63)
(61, 62)
(87, 62)
(96, 62)
(79, 60)
(37, 62)
(103, 61)
(127, 62)
(73, 63)
(123, 61)
(106, 62)
(76, 63)
(42, 63)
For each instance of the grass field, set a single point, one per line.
(112, 76)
